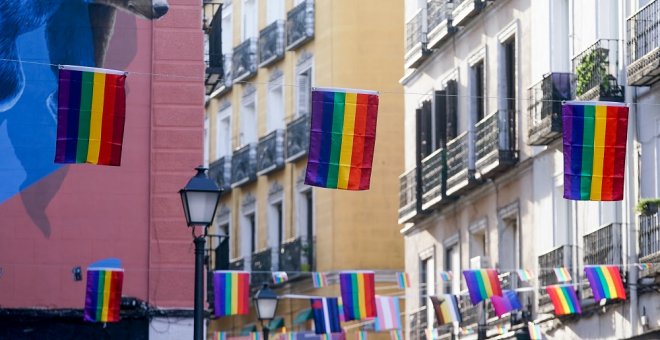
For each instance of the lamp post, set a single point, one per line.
(200, 199)
(265, 302)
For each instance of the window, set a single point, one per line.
(451, 89)
(427, 287)
(509, 49)
(253, 233)
(478, 91)
(305, 223)
(453, 264)
(207, 141)
(275, 116)
(424, 130)
(274, 10)
(222, 250)
(477, 241)
(445, 115)
(223, 133)
(250, 19)
(509, 252)
(227, 29)
(562, 213)
(248, 120)
(276, 230)
(303, 91)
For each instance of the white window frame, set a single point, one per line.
(275, 10)
(305, 65)
(248, 207)
(224, 114)
(249, 99)
(275, 197)
(227, 28)
(246, 17)
(275, 114)
(455, 283)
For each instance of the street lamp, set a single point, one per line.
(265, 302)
(200, 199)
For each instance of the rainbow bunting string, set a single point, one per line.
(341, 138)
(482, 284)
(358, 295)
(446, 310)
(564, 299)
(361, 335)
(446, 276)
(534, 331)
(396, 334)
(643, 266)
(231, 292)
(103, 294)
(220, 336)
(525, 275)
(280, 277)
(319, 280)
(563, 275)
(594, 150)
(605, 282)
(403, 280)
(91, 110)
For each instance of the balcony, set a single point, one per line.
(439, 21)
(469, 313)
(434, 178)
(418, 323)
(416, 39)
(271, 43)
(644, 46)
(296, 256)
(545, 97)
(603, 246)
(561, 256)
(649, 237)
(595, 70)
(220, 172)
(261, 267)
(496, 143)
(237, 264)
(270, 152)
(297, 138)
(214, 70)
(244, 63)
(465, 10)
(300, 25)
(244, 165)
(460, 177)
(408, 207)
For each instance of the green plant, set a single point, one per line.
(647, 205)
(592, 71)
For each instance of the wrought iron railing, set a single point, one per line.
(297, 138)
(458, 167)
(296, 255)
(244, 64)
(469, 313)
(300, 24)
(416, 30)
(237, 264)
(261, 267)
(220, 172)
(604, 246)
(438, 11)
(649, 236)
(464, 9)
(496, 141)
(643, 45)
(545, 98)
(244, 165)
(271, 43)
(434, 176)
(213, 53)
(418, 323)
(270, 152)
(561, 256)
(595, 72)
(407, 195)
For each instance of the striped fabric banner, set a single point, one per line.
(534, 331)
(403, 280)
(326, 315)
(564, 299)
(563, 275)
(358, 295)
(91, 111)
(446, 309)
(319, 280)
(103, 294)
(595, 136)
(342, 138)
(605, 282)
(388, 313)
(232, 289)
(525, 275)
(482, 284)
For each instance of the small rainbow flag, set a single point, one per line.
(232, 289)
(446, 276)
(403, 280)
(501, 329)
(564, 299)
(280, 277)
(563, 275)
(103, 294)
(594, 150)
(342, 138)
(534, 331)
(220, 336)
(358, 295)
(396, 334)
(319, 280)
(91, 109)
(430, 334)
(525, 275)
(605, 282)
(643, 266)
(482, 284)
(446, 310)
(466, 330)
(254, 336)
(361, 335)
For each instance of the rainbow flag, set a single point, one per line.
(534, 331)
(403, 280)
(280, 277)
(605, 282)
(388, 313)
(361, 335)
(103, 294)
(643, 266)
(219, 336)
(396, 334)
(446, 276)
(501, 329)
(482, 284)
(232, 289)
(564, 299)
(91, 109)
(525, 275)
(446, 309)
(563, 275)
(506, 303)
(340, 305)
(594, 150)
(342, 138)
(358, 295)
(319, 280)
(430, 334)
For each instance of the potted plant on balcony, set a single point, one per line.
(648, 206)
(592, 71)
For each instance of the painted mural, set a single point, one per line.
(37, 35)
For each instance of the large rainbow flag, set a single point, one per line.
(594, 150)
(91, 111)
(482, 284)
(446, 309)
(358, 295)
(564, 299)
(103, 294)
(342, 138)
(232, 289)
(605, 282)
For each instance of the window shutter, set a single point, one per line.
(427, 129)
(304, 90)
(440, 113)
(452, 110)
(418, 136)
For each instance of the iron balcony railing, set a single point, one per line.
(561, 256)
(595, 69)
(459, 173)
(261, 267)
(466, 9)
(649, 237)
(296, 255)
(244, 64)
(438, 11)
(496, 142)
(643, 45)
(509, 280)
(297, 138)
(416, 30)
(214, 67)
(434, 178)
(244, 165)
(270, 152)
(220, 172)
(603, 246)
(271, 43)
(418, 323)
(407, 196)
(237, 264)
(300, 24)
(545, 98)
(469, 313)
